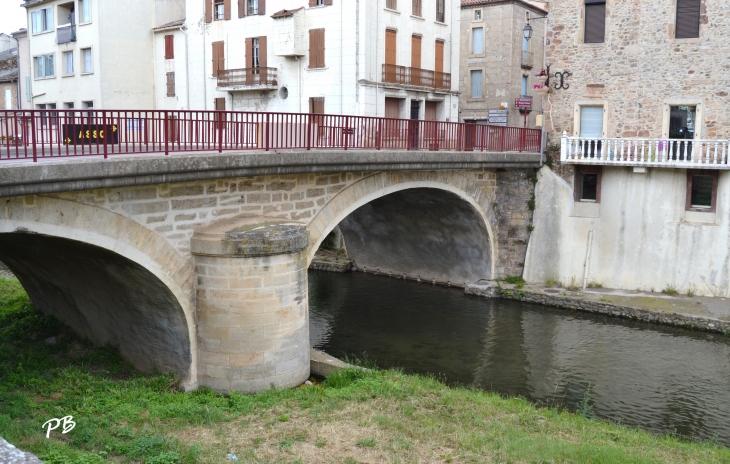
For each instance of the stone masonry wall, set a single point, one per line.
(641, 67)
(514, 192)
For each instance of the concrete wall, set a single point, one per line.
(501, 62)
(642, 236)
(641, 67)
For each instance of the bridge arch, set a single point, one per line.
(382, 184)
(138, 290)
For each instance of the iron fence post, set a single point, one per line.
(167, 135)
(267, 132)
(33, 136)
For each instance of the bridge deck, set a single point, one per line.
(24, 177)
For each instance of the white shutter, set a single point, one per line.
(69, 63)
(476, 84)
(49, 19)
(50, 66)
(8, 99)
(40, 62)
(478, 40)
(591, 122)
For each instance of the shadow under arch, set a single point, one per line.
(108, 278)
(433, 224)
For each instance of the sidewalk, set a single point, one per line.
(701, 313)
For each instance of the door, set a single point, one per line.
(682, 130)
(413, 129)
(591, 127)
(439, 65)
(390, 71)
(416, 60)
(391, 128)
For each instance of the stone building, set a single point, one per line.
(644, 198)
(498, 64)
(24, 70)
(395, 58)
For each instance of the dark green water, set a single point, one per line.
(656, 377)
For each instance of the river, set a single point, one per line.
(660, 378)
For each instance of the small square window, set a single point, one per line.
(701, 191)
(587, 186)
(219, 10)
(477, 15)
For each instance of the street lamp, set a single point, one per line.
(527, 31)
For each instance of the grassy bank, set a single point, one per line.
(378, 416)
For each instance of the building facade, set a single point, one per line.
(498, 63)
(9, 79)
(644, 197)
(24, 70)
(94, 54)
(391, 58)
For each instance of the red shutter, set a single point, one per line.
(262, 52)
(312, 48)
(226, 9)
(262, 7)
(219, 60)
(595, 23)
(208, 11)
(688, 19)
(328, 2)
(241, 8)
(312, 2)
(220, 104)
(169, 47)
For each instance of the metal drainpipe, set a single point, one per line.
(205, 78)
(187, 69)
(377, 50)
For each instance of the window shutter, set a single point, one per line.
(262, 7)
(169, 47)
(249, 53)
(439, 66)
(591, 122)
(316, 48)
(226, 9)
(262, 51)
(219, 61)
(328, 2)
(208, 11)
(390, 46)
(321, 54)
(312, 2)
(220, 104)
(688, 19)
(241, 8)
(595, 23)
(416, 51)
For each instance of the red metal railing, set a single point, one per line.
(45, 134)
(246, 76)
(416, 76)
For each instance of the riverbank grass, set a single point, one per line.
(353, 417)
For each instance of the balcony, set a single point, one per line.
(65, 34)
(416, 77)
(528, 59)
(241, 80)
(662, 153)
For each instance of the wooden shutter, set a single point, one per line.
(316, 105)
(688, 19)
(595, 22)
(226, 9)
(241, 8)
(416, 51)
(390, 46)
(430, 111)
(392, 107)
(316, 48)
(262, 7)
(219, 60)
(312, 3)
(169, 47)
(328, 2)
(171, 84)
(439, 65)
(262, 51)
(220, 104)
(208, 11)
(416, 9)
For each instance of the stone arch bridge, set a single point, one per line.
(197, 263)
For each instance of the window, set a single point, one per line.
(391, 4)
(88, 105)
(417, 10)
(476, 84)
(44, 66)
(316, 48)
(220, 104)
(171, 84)
(477, 40)
(255, 52)
(69, 105)
(701, 190)
(477, 15)
(253, 7)
(524, 86)
(50, 117)
(68, 63)
(441, 11)
(169, 47)
(688, 19)
(595, 21)
(8, 99)
(42, 20)
(587, 185)
(88, 62)
(591, 122)
(219, 9)
(320, 2)
(85, 11)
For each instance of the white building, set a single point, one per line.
(395, 58)
(94, 53)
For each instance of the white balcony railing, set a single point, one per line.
(669, 153)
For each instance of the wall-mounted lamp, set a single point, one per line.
(527, 31)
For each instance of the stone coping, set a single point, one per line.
(247, 236)
(94, 172)
(698, 313)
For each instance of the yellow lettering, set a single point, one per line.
(87, 134)
(101, 133)
(95, 133)
(81, 134)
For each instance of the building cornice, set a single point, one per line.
(30, 3)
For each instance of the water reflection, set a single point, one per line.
(661, 378)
